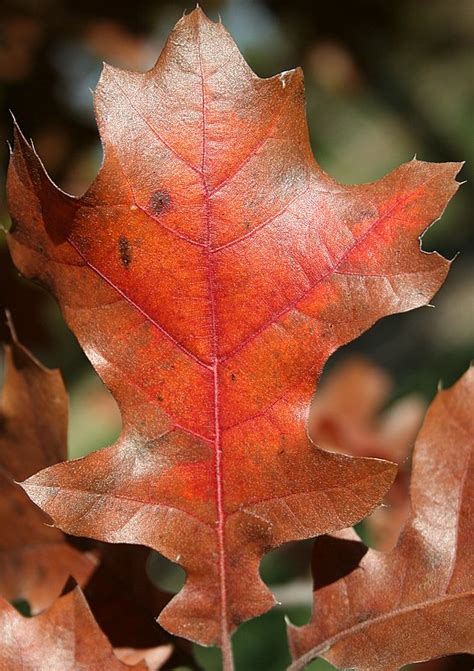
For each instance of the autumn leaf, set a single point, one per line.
(346, 413)
(35, 560)
(26, 301)
(376, 611)
(346, 417)
(65, 638)
(208, 273)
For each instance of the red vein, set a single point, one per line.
(227, 660)
(255, 149)
(200, 436)
(173, 231)
(331, 271)
(186, 238)
(28, 486)
(154, 131)
(263, 223)
(135, 383)
(131, 302)
(266, 409)
(303, 492)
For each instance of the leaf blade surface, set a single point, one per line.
(161, 270)
(415, 602)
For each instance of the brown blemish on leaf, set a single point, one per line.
(160, 202)
(125, 251)
(368, 213)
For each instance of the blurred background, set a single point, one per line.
(384, 81)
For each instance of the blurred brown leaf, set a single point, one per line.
(35, 559)
(25, 300)
(346, 417)
(20, 36)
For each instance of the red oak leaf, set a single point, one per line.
(208, 273)
(66, 638)
(35, 560)
(376, 611)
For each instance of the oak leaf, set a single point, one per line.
(376, 611)
(65, 637)
(35, 559)
(208, 273)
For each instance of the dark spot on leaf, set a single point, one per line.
(125, 251)
(159, 202)
(233, 377)
(300, 93)
(368, 213)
